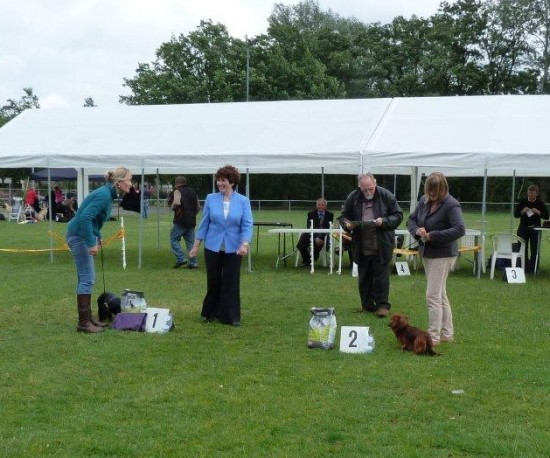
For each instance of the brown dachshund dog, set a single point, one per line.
(411, 338)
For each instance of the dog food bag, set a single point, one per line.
(322, 328)
(133, 301)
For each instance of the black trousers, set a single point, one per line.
(223, 279)
(531, 238)
(374, 282)
(303, 247)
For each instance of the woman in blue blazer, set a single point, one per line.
(226, 230)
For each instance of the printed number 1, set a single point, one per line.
(155, 320)
(353, 335)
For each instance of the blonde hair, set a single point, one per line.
(436, 183)
(118, 174)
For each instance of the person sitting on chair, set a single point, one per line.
(322, 219)
(32, 199)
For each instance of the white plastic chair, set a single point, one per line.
(503, 248)
(467, 244)
(323, 255)
(16, 211)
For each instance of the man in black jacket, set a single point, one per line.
(372, 213)
(322, 219)
(184, 202)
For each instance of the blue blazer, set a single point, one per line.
(217, 231)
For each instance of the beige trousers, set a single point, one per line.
(440, 316)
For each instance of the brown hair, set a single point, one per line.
(230, 173)
(180, 180)
(436, 183)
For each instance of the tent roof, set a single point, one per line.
(274, 137)
(465, 135)
(457, 135)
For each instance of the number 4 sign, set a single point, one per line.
(356, 339)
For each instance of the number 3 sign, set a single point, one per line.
(356, 339)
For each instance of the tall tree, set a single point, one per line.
(205, 66)
(539, 28)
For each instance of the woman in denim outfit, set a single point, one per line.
(84, 240)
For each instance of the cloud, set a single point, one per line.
(67, 50)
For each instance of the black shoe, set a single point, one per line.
(305, 264)
(192, 266)
(178, 264)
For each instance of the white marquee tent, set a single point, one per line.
(461, 136)
(458, 135)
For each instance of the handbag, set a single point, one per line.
(130, 322)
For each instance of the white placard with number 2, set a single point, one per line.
(356, 339)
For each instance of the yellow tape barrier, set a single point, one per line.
(64, 247)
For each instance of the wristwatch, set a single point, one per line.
(245, 243)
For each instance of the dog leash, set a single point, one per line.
(102, 267)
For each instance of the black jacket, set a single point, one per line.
(385, 206)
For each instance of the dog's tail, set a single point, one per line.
(432, 352)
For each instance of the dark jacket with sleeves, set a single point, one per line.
(385, 206)
(534, 220)
(445, 226)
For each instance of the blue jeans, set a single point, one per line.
(188, 234)
(84, 263)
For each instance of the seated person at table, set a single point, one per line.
(321, 220)
(530, 211)
(32, 199)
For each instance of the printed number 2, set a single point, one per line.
(353, 335)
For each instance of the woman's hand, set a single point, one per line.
(93, 251)
(243, 249)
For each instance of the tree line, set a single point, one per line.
(468, 47)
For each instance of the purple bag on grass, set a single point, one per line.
(130, 322)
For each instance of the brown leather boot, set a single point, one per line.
(101, 324)
(85, 315)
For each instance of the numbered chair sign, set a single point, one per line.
(356, 339)
(515, 275)
(159, 320)
(402, 268)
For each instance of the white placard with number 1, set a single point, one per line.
(356, 339)
(159, 320)
(402, 268)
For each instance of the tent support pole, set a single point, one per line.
(157, 188)
(250, 246)
(50, 212)
(141, 218)
(323, 182)
(483, 228)
(512, 200)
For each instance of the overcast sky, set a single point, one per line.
(67, 50)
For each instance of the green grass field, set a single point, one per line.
(258, 391)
